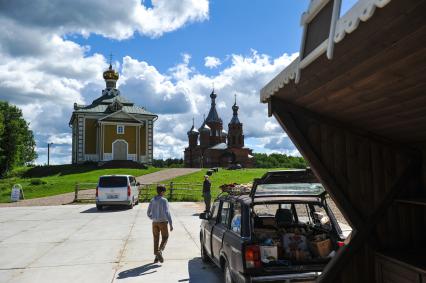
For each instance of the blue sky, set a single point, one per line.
(169, 54)
(233, 27)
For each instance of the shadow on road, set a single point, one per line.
(105, 209)
(202, 272)
(138, 271)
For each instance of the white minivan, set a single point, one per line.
(117, 190)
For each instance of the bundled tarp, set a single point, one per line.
(235, 188)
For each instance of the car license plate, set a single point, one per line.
(112, 196)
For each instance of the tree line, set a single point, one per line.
(261, 160)
(168, 163)
(17, 145)
(277, 160)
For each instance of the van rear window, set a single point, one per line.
(113, 182)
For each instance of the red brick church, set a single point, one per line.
(211, 146)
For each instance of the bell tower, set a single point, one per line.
(235, 129)
(193, 136)
(214, 122)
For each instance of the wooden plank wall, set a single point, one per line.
(364, 174)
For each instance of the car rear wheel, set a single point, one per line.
(99, 207)
(131, 205)
(227, 274)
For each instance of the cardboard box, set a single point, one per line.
(321, 248)
(268, 253)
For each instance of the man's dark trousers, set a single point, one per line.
(207, 200)
(206, 194)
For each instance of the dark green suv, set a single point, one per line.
(282, 231)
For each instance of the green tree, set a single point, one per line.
(169, 162)
(277, 160)
(1, 126)
(17, 145)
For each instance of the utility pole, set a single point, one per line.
(48, 152)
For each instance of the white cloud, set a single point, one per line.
(46, 87)
(113, 19)
(47, 98)
(64, 138)
(212, 62)
(44, 73)
(271, 126)
(184, 92)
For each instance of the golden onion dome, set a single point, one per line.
(111, 74)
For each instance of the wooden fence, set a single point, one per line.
(175, 191)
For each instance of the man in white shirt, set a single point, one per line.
(159, 213)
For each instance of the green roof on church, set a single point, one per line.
(103, 104)
(111, 100)
(104, 109)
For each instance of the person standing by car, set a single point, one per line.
(159, 213)
(206, 193)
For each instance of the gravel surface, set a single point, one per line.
(167, 174)
(69, 197)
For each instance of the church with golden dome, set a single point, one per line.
(111, 127)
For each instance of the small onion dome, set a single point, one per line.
(204, 128)
(213, 95)
(235, 107)
(111, 74)
(192, 131)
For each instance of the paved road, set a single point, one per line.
(166, 175)
(75, 243)
(69, 197)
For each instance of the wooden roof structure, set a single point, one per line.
(354, 104)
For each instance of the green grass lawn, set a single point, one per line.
(217, 179)
(53, 180)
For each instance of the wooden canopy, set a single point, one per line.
(360, 121)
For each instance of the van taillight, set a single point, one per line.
(97, 191)
(128, 190)
(252, 256)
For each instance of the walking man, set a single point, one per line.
(158, 212)
(206, 192)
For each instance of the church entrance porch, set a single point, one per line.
(119, 150)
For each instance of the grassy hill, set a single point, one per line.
(217, 179)
(44, 181)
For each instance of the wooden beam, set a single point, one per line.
(287, 122)
(282, 105)
(362, 235)
(285, 114)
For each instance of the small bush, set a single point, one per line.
(18, 172)
(37, 182)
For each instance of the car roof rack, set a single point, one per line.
(235, 189)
